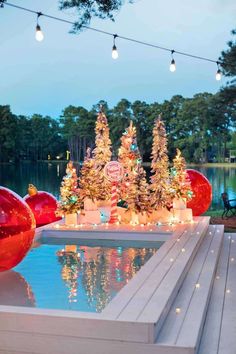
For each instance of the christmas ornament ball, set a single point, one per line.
(43, 206)
(17, 229)
(202, 192)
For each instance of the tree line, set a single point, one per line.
(201, 126)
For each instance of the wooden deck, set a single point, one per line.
(180, 302)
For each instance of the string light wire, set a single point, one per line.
(198, 57)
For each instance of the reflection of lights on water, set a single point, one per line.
(119, 250)
(102, 272)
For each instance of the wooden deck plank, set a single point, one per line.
(227, 344)
(212, 327)
(191, 329)
(138, 301)
(173, 322)
(28, 343)
(159, 303)
(117, 305)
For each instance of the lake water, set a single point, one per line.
(48, 176)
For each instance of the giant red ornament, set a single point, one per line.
(202, 192)
(43, 206)
(17, 228)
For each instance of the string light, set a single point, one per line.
(40, 36)
(172, 63)
(114, 52)
(218, 73)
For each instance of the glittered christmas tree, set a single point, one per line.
(129, 157)
(70, 201)
(102, 154)
(90, 178)
(143, 196)
(160, 186)
(134, 187)
(180, 183)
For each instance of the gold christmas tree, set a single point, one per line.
(90, 178)
(143, 196)
(134, 187)
(160, 187)
(102, 154)
(130, 159)
(180, 183)
(70, 201)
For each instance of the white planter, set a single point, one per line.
(71, 219)
(89, 205)
(105, 212)
(161, 215)
(181, 215)
(90, 217)
(126, 215)
(142, 217)
(179, 203)
(134, 218)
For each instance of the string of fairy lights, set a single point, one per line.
(114, 53)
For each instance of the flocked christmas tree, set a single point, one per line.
(160, 185)
(129, 157)
(90, 178)
(70, 201)
(134, 187)
(102, 154)
(180, 183)
(143, 196)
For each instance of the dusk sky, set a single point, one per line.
(72, 69)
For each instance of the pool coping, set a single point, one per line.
(108, 324)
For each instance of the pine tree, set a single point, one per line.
(70, 201)
(89, 181)
(180, 183)
(102, 154)
(159, 188)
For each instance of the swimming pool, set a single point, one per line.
(78, 277)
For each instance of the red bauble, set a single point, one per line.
(43, 206)
(17, 228)
(202, 192)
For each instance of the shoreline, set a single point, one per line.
(145, 164)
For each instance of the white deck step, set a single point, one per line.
(154, 300)
(183, 330)
(219, 333)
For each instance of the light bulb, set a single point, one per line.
(218, 75)
(172, 66)
(114, 53)
(39, 34)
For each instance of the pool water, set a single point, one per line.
(71, 277)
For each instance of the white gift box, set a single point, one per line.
(179, 203)
(71, 219)
(89, 217)
(183, 215)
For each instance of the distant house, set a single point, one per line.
(232, 155)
